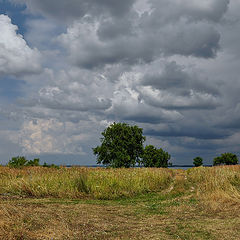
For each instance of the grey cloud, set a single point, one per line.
(173, 87)
(172, 76)
(111, 28)
(57, 99)
(171, 10)
(193, 132)
(142, 113)
(197, 39)
(60, 104)
(69, 10)
(134, 40)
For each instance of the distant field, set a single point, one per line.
(87, 203)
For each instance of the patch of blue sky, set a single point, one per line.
(11, 89)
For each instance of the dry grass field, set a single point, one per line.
(81, 203)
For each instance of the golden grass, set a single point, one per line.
(216, 186)
(65, 219)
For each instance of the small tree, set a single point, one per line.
(226, 159)
(154, 157)
(34, 162)
(121, 146)
(198, 161)
(17, 162)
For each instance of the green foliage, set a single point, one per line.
(121, 146)
(154, 157)
(198, 161)
(20, 162)
(34, 162)
(50, 165)
(226, 159)
(17, 162)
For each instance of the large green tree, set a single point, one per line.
(121, 146)
(154, 157)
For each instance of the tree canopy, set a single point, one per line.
(226, 159)
(154, 157)
(121, 146)
(198, 161)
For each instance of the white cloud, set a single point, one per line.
(50, 136)
(16, 57)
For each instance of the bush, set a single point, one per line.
(226, 159)
(198, 161)
(154, 157)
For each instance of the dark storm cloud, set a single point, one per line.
(193, 132)
(175, 78)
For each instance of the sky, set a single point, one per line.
(70, 68)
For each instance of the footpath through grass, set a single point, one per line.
(200, 203)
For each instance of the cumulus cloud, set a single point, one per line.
(92, 43)
(16, 57)
(50, 136)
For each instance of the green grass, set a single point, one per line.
(83, 182)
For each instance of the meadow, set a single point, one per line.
(99, 203)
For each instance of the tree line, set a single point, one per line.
(122, 146)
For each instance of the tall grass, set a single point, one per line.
(216, 184)
(82, 182)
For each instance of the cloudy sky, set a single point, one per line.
(69, 68)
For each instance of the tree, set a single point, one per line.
(17, 162)
(154, 157)
(226, 159)
(198, 161)
(121, 146)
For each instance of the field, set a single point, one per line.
(84, 203)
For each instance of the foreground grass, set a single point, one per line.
(83, 182)
(201, 203)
